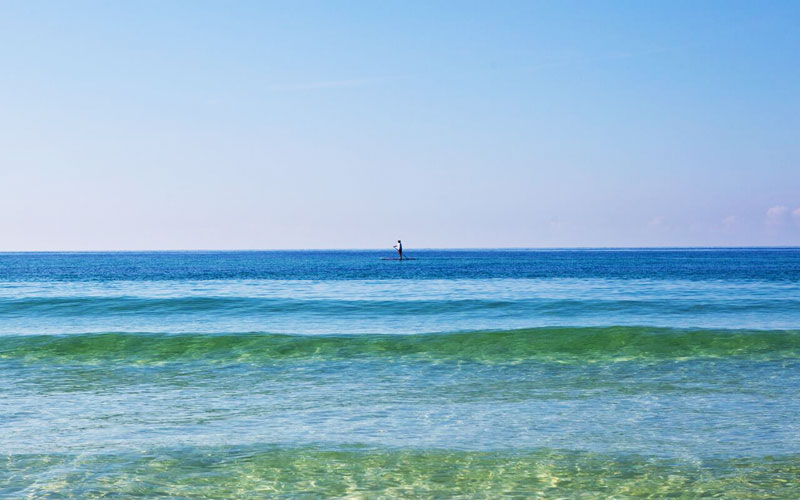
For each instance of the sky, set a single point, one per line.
(343, 124)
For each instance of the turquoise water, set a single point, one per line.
(569, 373)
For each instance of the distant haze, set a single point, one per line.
(261, 125)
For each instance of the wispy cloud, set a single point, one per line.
(796, 216)
(327, 84)
(776, 215)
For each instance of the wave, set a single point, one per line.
(563, 344)
(269, 471)
(88, 306)
(80, 306)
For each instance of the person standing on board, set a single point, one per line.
(399, 248)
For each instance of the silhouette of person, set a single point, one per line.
(399, 248)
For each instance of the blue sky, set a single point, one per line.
(248, 125)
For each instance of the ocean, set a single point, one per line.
(625, 373)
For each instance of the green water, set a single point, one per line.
(390, 473)
(576, 345)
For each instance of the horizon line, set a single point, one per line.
(230, 250)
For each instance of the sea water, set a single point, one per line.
(479, 374)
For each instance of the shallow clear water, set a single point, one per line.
(627, 373)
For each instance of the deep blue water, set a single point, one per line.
(771, 264)
(631, 372)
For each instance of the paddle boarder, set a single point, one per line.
(399, 248)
